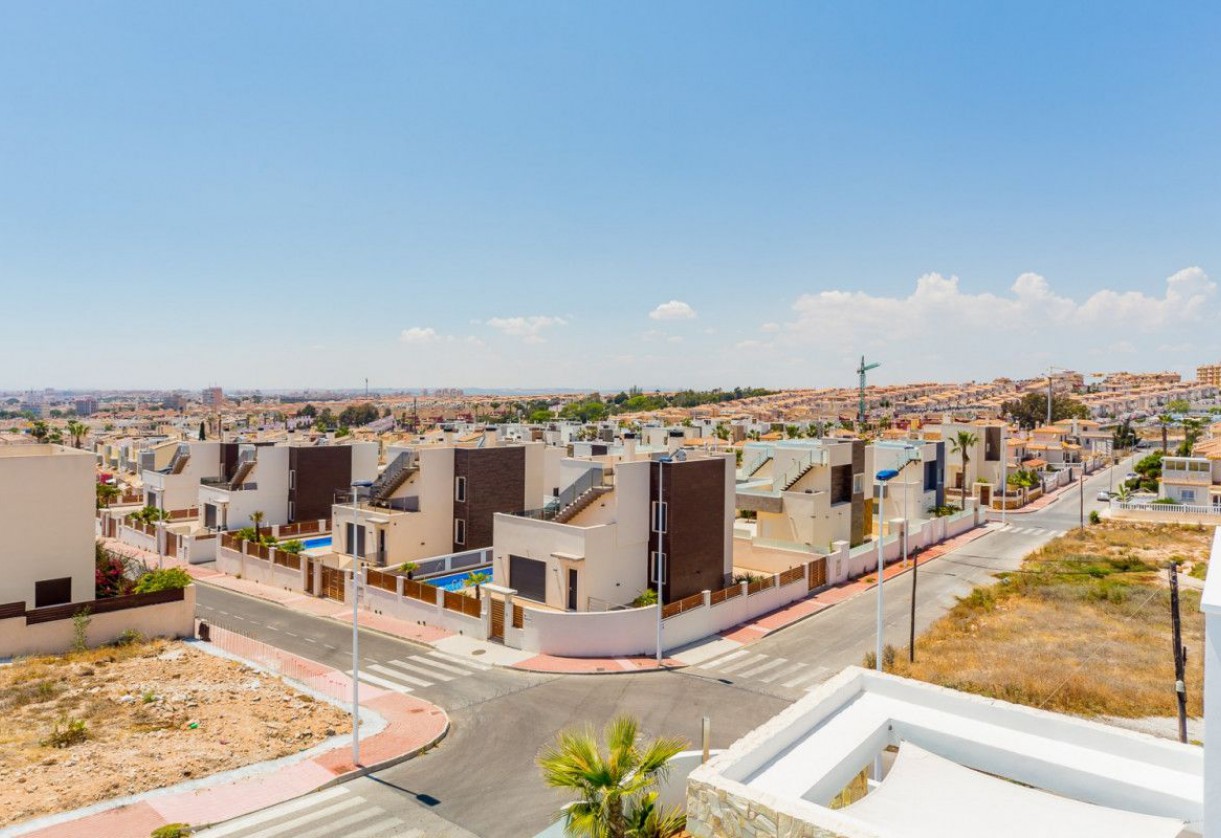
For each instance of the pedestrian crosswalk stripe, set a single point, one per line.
(266, 815)
(431, 673)
(777, 674)
(482, 667)
(380, 682)
(310, 817)
(809, 679)
(750, 661)
(444, 667)
(394, 673)
(373, 829)
(335, 827)
(723, 659)
(750, 673)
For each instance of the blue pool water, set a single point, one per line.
(315, 543)
(455, 581)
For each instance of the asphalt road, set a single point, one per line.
(501, 719)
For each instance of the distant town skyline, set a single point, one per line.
(579, 196)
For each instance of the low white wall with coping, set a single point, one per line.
(394, 604)
(263, 571)
(166, 619)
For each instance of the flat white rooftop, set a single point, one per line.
(1051, 767)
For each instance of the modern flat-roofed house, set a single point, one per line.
(175, 483)
(594, 546)
(920, 484)
(805, 491)
(47, 518)
(287, 483)
(1193, 481)
(984, 461)
(433, 500)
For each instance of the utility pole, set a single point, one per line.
(1049, 380)
(860, 410)
(1082, 493)
(1180, 652)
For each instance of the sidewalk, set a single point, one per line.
(410, 726)
(747, 633)
(500, 655)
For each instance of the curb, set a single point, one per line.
(672, 668)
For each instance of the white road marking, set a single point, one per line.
(394, 673)
(444, 667)
(482, 667)
(723, 659)
(271, 814)
(750, 673)
(380, 682)
(751, 661)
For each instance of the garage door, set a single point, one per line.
(528, 577)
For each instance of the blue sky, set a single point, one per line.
(600, 195)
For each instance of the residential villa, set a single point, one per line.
(807, 492)
(919, 486)
(597, 544)
(433, 500)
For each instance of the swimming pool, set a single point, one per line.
(457, 581)
(323, 541)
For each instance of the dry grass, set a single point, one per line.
(1084, 627)
(92, 725)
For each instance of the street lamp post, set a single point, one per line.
(356, 487)
(660, 523)
(882, 478)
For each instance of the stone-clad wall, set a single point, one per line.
(716, 813)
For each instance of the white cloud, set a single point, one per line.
(673, 310)
(989, 333)
(770, 327)
(419, 335)
(529, 329)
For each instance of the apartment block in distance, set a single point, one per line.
(1209, 374)
(47, 520)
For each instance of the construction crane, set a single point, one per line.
(860, 411)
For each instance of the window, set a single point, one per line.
(292, 478)
(660, 516)
(460, 489)
(459, 531)
(657, 567)
(53, 592)
(1187, 495)
(858, 484)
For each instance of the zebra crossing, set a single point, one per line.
(1020, 530)
(335, 811)
(745, 665)
(409, 673)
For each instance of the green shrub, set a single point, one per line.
(1095, 518)
(165, 579)
(128, 637)
(172, 830)
(66, 733)
(293, 545)
(80, 630)
(646, 597)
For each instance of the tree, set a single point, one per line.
(308, 411)
(105, 494)
(39, 430)
(1030, 410)
(256, 518)
(1165, 420)
(1178, 406)
(612, 785)
(1192, 428)
(77, 430)
(959, 444)
(1124, 436)
(203, 435)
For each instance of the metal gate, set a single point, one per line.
(333, 583)
(498, 620)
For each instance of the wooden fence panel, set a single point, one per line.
(791, 575)
(420, 591)
(818, 573)
(726, 594)
(677, 607)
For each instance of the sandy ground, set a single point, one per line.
(156, 714)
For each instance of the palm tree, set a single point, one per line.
(105, 494)
(1165, 419)
(615, 786)
(256, 518)
(960, 444)
(77, 431)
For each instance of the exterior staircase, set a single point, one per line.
(394, 475)
(179, 461)
(581, 503)
(801, 468)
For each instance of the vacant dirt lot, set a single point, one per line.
(1084, 627)
(99, 724)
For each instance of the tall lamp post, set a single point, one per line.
(883, 477)
(356, 487)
